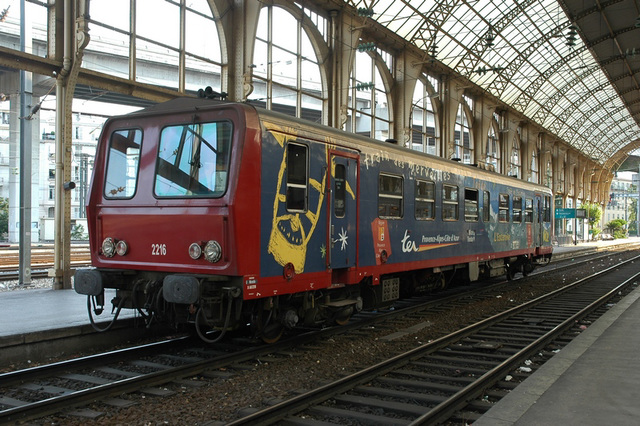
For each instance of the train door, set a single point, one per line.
(539, 222)
(343, 202)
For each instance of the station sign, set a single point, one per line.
(569, 213)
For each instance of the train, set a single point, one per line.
(222, 216)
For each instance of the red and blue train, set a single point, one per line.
(228, 216)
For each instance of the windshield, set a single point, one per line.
(193, 160)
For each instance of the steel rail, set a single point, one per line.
(11, 377)
(52, 405)
(37, 271)
(445, 409)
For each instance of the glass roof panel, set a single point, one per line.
(398, 18)
(529, 66)
(511, 93)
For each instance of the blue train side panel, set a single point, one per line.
(469, 220)
(294, 234)
(407, 239)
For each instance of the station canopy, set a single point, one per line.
(572, 67)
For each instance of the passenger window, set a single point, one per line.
(425, 202)
(449, 202)
(123, 162)
(471, 205)
(339, 193)
(297, 177)
(528, 210)
(486, 206)
(390, 196)
(503, 208)
(517, 209)
(547, 209)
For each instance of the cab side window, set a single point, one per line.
(123, 163)
(297, 177)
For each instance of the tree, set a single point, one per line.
(633, 212)
(4, 216)
(617, 228)
(594, 213)
(77, 233)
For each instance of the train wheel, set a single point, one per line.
(343, 321)
(443, 281)
(272, 333)
(511, 272)
(528, 268)
(343, 317)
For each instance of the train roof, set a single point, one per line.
(177, 104)
(315, 131)
(364, 144)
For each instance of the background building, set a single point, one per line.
(623, 201)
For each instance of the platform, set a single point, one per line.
(36, 310)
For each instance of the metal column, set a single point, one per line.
(25, 160)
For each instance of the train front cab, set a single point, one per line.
(169, 209)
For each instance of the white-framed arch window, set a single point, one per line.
(286, 72)
(572, 181)
(533, 175)
(560, 178)
(515, 165)
(462, 143)
(548, 175)
(424, 119)
(368, 105)
(492, 148)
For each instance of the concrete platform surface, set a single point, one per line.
(595, 380)
(36, 310)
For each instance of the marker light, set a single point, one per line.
(195, 251)
(122, 247)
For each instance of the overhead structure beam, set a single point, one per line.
(471, 60)
(426, 35)
(14, 59)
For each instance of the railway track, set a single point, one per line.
(41, 260)
(444, 380)
(39, 271)
(68, 384)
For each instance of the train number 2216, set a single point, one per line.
(158, 249)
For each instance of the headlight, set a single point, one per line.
(195, 251)
(212, 251)
(109, 247)
(122, 247)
